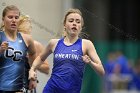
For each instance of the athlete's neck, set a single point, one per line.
(70, 40)
(11, 35)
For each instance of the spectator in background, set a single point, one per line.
(122, 61)
(135, 82)
(109, 68)
(118, 71)
(110, 63)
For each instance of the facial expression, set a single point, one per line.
(73, 24)
(11, 20)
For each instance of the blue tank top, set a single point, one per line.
(68, 68)
(12, 63)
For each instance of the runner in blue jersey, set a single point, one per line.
(14, 47)
(70, 53)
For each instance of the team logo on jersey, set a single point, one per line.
(15, 55)
(73, 50)
(20, 41)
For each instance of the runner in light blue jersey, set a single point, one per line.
(13, 49)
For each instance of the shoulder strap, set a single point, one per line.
(1, 36)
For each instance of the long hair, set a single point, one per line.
(24, 25)
(1, 26)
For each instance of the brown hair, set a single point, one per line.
(73, 11)
(82, 34)
(1, 26)
(5, 10)
(63, 33)
(9, 8)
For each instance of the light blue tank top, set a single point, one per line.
(12, 63)
(68, 67)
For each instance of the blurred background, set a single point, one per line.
(113, 27)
